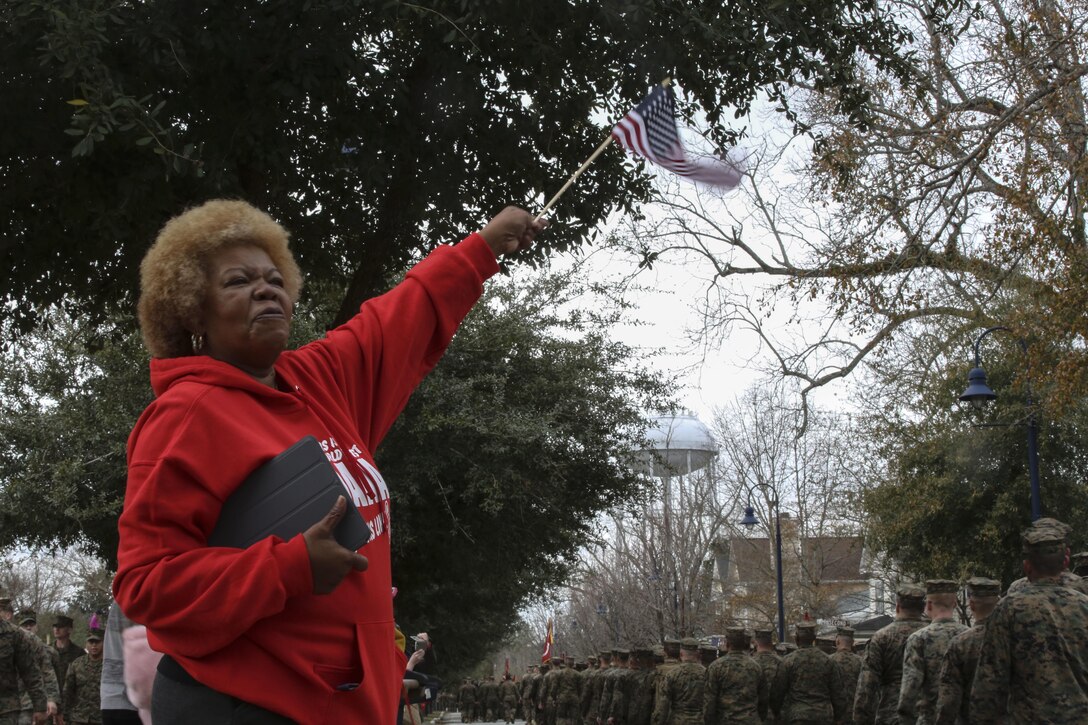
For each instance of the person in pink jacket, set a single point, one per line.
(282, 631)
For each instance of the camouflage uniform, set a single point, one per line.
(488, 704)
(508, 692)
(680, 697)
(735, 691)
(547, 692)
(49, 677)
(957, 674)
(961, 660)
(466, 701)
(808, 687)
(529, 685)
(608, 683)
(623, 693)
(568, 696)
(768, 662)
(591, 693)
(81, 692)
(641, 702)
(55, 676)
(1068, 579)
(922, 660)
(672, 659)
(849, 665)
(19, 663)
(877, 696)
(1033, 665)
(539, 688)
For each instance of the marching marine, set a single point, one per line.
(735, 689)
(924, 653)
(808, 688)
(680, 697)
(1032, 667)
(961, 659)
(877, 696)
(849, 665)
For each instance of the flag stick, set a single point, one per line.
(600, 149)
(575, 175)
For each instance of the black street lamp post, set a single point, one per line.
(750, 520)
(979, 393)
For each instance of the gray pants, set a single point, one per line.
(178, 703)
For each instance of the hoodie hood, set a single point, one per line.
(167, 372)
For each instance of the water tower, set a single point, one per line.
(682, 444)
(679, 445)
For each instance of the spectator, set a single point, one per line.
(281, 630)
(117, 709)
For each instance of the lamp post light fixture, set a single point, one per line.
(751, 520)
(979, 393)
(602, 612)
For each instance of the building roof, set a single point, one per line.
(869, 627)
(826, 558)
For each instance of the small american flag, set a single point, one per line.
(649, 131)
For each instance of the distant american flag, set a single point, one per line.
(649, 130)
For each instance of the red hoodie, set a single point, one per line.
(245, 622)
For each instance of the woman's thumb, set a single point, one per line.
(332, 518)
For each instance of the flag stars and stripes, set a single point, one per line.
(650, 131)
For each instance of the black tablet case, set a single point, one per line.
(286, 496)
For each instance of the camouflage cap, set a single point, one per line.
(27, 615)
(604, 655)
(1045, 536)
(689, 643)
(592, 660)
(941, 586)
(659, 651)
(63, 620)
(671, 644)
(764, 635)
(736, 632)
(643, 651)
(621, 652)
(1078, 563)
(910, 594)
(5, 604)
(980, 586)
(1049, 523)
(94, 635)
(806, 628)
(845, 632)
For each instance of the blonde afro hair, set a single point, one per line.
(174, 272)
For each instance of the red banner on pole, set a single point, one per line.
(548, 643)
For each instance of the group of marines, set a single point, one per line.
(1024, 660)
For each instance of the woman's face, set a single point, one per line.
(247, 312)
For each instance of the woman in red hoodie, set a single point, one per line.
(297, 630)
